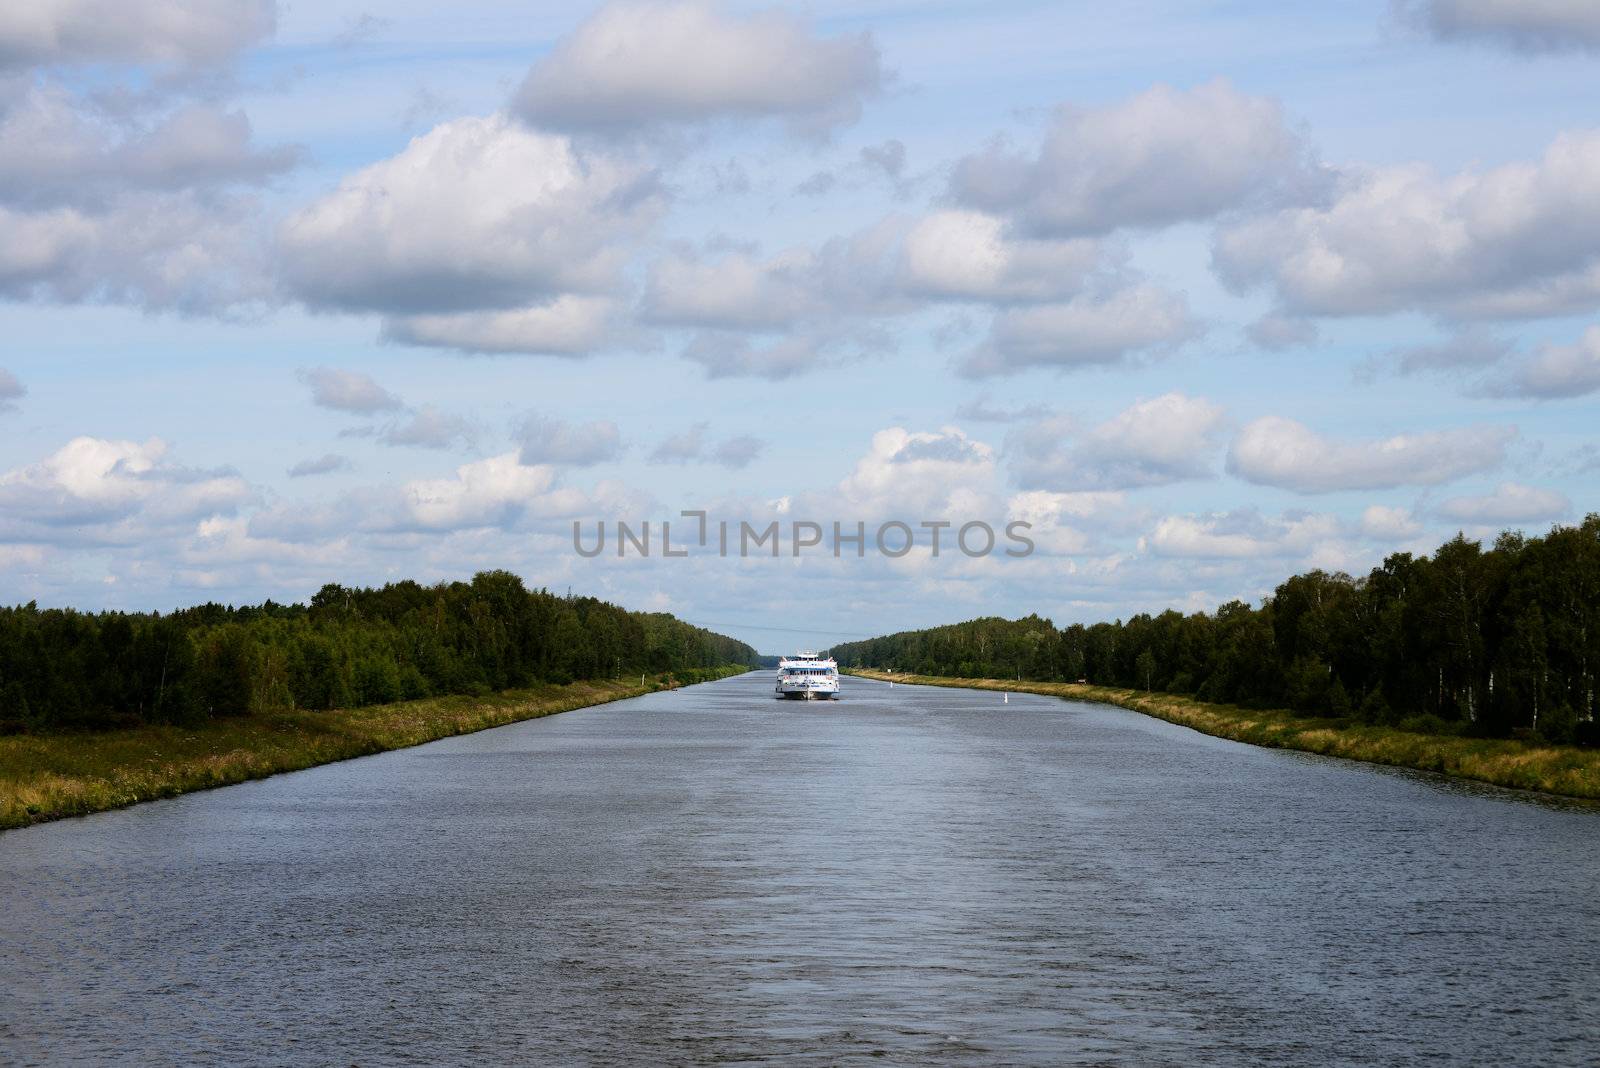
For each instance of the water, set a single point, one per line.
(709, 876)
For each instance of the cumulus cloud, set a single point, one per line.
(495, 493)
(103, 492)
(193, 251)
(321, 465)
(1525, 25)
(569, 325)
(348, 391)
(1554, 371)
(739, 290)
(479, 214)
(1274, 451)
(185, 32)
(1087, 330)
(1384, 523)
(1243, 534)
(140, 202)
(546, 440)
(1522, 239)
(11, 390)
(643, 63)
(971, 256)
(429, 428)
(54, 150)
(1170, 438)
(1163, 156)
(916, 475)
(1511, 502)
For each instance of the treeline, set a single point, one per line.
(63, 669)
(1489, 642)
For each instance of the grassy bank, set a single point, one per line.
(45, 777)
(1555, 769)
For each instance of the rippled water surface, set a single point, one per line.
(709, 876)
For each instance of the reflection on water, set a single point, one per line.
(711, 876)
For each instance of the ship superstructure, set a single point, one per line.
(808, 677)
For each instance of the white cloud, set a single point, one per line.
(739, 290)
(1245, 534)
(1089, 329)
(1511, 502)
(917, 475)
(546, 440)
(348, 391)
(1274, 451)
(1525, 25)
(1384, 523)
(1153, 442)
(1058, 519)
(187, 32)
(1554, 371)
(193, 251)
(55, 149)
(97, 491)
(478, 214)
(569, 325)
(1522, 239)
(1161, 157)
(968, 255)
(495, 492)
(649, 62)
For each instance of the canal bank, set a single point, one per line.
(1555, 769)
(52, 776)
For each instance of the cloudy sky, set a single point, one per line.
(1208, 292)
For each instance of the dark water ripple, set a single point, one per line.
(914, 876)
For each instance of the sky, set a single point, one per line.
(1204, 293)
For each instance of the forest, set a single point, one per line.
(62, 669)
(1494, 642)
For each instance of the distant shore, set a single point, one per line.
(52, 776)
(1564, 770)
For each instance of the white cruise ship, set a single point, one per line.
(808, 677)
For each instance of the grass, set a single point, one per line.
(51, 776)
(1554, 769)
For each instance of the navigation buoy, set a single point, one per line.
(1007, 700)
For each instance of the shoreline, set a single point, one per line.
(47, 777)
(1559, 770)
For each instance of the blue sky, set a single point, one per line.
(1208, 293)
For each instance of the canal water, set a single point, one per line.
(910, 876)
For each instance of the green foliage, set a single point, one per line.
(61, 669)
(1474, 641)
